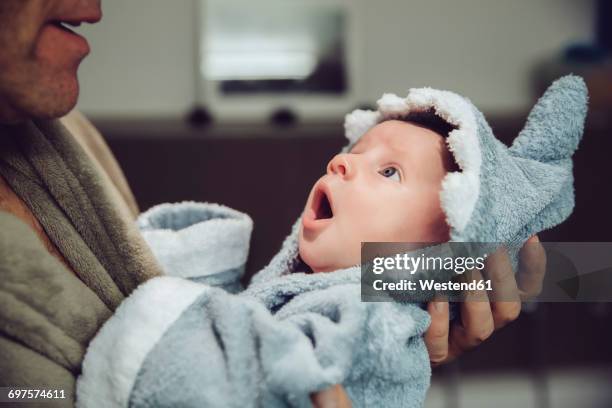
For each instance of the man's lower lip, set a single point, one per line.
(71, 36)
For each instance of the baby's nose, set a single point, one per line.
(340, 165)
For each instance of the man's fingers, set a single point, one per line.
(436, 337)
(504, 313)
(465, 337)
(332, 397)
(532, 268)
(483, 312)
(477, 323)
(504, 295)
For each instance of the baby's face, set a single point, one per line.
(387, 189)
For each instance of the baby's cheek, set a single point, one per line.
(390, 225)
(434, 228)
(411, 218)
(329, 251)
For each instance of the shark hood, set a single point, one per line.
(499, 194)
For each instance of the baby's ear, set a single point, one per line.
(555, 124)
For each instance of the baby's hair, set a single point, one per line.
(430, 120)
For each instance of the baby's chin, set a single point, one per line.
(324, 270)
(320, 261)
(310, 256)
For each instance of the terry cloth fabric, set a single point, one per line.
(47, 314)
(176, 342)
(203, 242)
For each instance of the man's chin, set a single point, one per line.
(51, 100)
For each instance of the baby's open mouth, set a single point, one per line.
(322, 205)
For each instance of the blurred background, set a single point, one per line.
(241, 102)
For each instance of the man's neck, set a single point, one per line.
(10, 115)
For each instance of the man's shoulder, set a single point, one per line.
(92, 142)
(79, 126)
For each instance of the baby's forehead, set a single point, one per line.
(396, 135)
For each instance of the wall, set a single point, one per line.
(142, 59)
(142, 62)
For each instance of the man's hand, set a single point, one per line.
(333, 397)
(480, 318)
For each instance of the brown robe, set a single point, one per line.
(69, 249)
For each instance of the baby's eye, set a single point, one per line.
(390, 172)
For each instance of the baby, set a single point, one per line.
(424, 168)
(386, 189)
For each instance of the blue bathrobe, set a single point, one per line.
(192, 338)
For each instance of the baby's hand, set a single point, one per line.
(479, 319)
